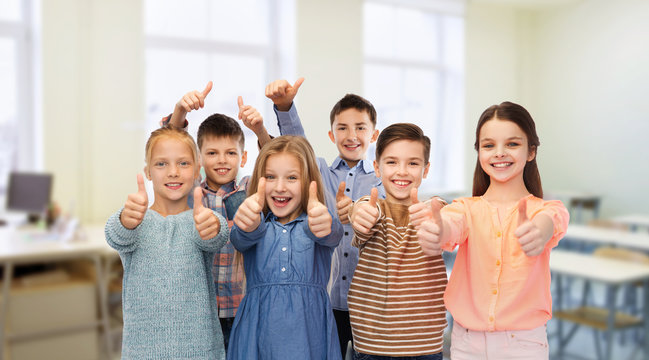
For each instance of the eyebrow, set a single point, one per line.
(511, 138)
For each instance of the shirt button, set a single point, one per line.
(491, 319)
(497, 262)
(351, 174)
(346, 254)
(344, 277)
(283, 269)
(498, 234)
(347, 190)
(346, 233)
(284, 230)
(284, 248)
(494, 292)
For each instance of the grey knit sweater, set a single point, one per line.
(168, 297)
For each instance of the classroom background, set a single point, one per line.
(85, 81)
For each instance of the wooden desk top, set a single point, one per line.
(593, 234)
(596, 268)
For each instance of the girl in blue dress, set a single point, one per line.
(287, 236)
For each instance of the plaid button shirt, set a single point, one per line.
(228, 276)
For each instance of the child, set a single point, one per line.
(350, 176)
(286, 236)
(222, 142)
(167, 251)
(499, 290)
(395, 299)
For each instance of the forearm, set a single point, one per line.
(178, 117)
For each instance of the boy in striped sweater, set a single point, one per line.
(395, 300)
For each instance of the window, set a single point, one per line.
(236, 44)
(413, 72)
(20, 145)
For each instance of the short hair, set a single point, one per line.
(402, 131)
(299, 147)
(517, 114)
(169, 132)
(352, 101)
(219, 125)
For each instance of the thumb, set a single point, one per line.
(341, 191)
(198, 199)
(413, 196)
(374, 196)
(261, 192)
(207, 89)
(522, 211)
(298, 83)
(313, 194)
(240, 102)
(140, 184)
(435, 207)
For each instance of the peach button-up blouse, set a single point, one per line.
(494, 286)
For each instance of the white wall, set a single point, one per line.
(93, 102)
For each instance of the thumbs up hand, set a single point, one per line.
(135, 207)
(317, 214)
(282, 93)
(194, 99)
(250, 117)
(366, 214)
(529, 235)
(248, 216)
(429, 233)
(419, 211)
(343, 202)
(207, 224)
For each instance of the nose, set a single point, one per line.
(402, 169)
(173, 170)
(352, 133)
(280, 185)
(500, 151)
(220, 158)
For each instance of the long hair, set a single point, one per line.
(518, 115)
(300, 148)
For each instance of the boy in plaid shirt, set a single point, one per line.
(221, 144)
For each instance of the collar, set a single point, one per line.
(224, 190)
(364, 164)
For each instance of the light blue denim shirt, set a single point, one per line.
(359, 181)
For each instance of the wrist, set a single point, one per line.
(284, 107)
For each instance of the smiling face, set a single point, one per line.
(401, 168)
(284, 186)
(352, 132)
(221, 158)
(503, 151)
(172, 170)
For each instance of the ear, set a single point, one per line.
(331, 136)
(532, 154)
(375, 135)
(426, 168)
(377, 170)
(147, 173)
(244, 158)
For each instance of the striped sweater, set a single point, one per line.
(396, 304)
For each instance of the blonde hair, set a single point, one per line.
(170, 133)
(300, 148)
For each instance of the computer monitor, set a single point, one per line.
(29, 192)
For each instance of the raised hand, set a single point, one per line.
(282, 93)
(250, 117)
(317, 214)
(135, 207)
(419, 211)
(366, 214)
(194, 99)
(248, 216)
(529, 235)
(429, 233)
(206, 222)
(343, 202)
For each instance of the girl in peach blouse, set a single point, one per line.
(499, 289)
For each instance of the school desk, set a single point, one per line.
(608, 236)
(634, 221)
(614, 274)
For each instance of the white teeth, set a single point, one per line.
(501, 165)
(401, 183)
(281, 199)
(222, 171)
(173, 184)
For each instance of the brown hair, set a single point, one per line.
(352, 101)
(169, 132)
(219, 125)
(517, 114)
(402, 131)
(299, 147)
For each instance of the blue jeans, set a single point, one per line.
(361, 356)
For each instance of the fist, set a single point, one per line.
(248, 216)
(529, 235)
(282, 93)
(343, 203)
(366, 214)
(317, 214)
(206, 222)
(135, 207)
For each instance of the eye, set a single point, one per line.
(270, 177)
(361, 128)
(342, 128)
(513, 144)
(160, 164)
(390, 162)
(414, 163)
(487, 146)
(232, 153)
(293, 178)
(184, 163)
(211, 153)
